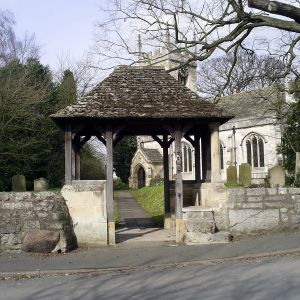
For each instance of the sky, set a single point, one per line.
(61, 27)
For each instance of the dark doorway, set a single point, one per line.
(141, 177)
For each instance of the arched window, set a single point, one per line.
(187, 164)
(222, 156)
(255, 151)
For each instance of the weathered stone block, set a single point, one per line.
(245, 174)
(200, 226)
(221, 237)
(254, 199)
(18, 183)
(16, 205)
(272, 191)
(31, 225)
(253, 205)
(43, 241)
(256, 191)
(294, 191)
(10, 239)
(4, 196)
(252, 220)
(40, 185)
(277, 176)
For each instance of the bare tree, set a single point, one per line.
(12, 47)
(85, 74)
(202, 29)
(249, 72)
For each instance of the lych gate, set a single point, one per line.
(144, 101)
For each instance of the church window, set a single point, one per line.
(255, 151)
(187, 164)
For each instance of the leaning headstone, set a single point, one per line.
(40, 185)
(43, 241)
(231, 175)
(277, 176)
(18, 183)
(245, 174)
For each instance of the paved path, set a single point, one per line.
(135, 224)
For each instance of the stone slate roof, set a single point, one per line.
(255, 103)
(141, 92)
(153, 155)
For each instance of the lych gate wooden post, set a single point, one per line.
(197, 158)
(109, 186)
(165, 144)
(178, 185)
(68, 154)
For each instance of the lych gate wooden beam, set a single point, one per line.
(68, 154)
(101, 139)
(178, 185)
(84, 140)
(158, 140)
(117, 139)
(186, 128)
(188, 138)
(109, 186)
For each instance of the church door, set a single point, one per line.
(141, 177)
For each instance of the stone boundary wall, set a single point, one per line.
(252, 210)
(27, 211)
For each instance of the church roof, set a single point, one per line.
(153, 155)
(258, 103)
(141, 92)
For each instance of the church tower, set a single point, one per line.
(162, 57)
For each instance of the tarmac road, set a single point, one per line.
(259, 278)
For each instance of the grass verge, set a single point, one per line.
(152, 200)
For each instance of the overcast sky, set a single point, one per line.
(60, 26)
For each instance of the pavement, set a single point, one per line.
(145, 248)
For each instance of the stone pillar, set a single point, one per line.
(68, 155)
(109, 186)
(215, 152)
(178, 186)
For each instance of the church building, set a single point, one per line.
(252, 136)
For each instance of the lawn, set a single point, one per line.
(152, 200)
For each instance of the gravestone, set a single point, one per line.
(40, 185)
(245, 174)
(18, 183)
(297, 169)
(231, 175)
(277, 176)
